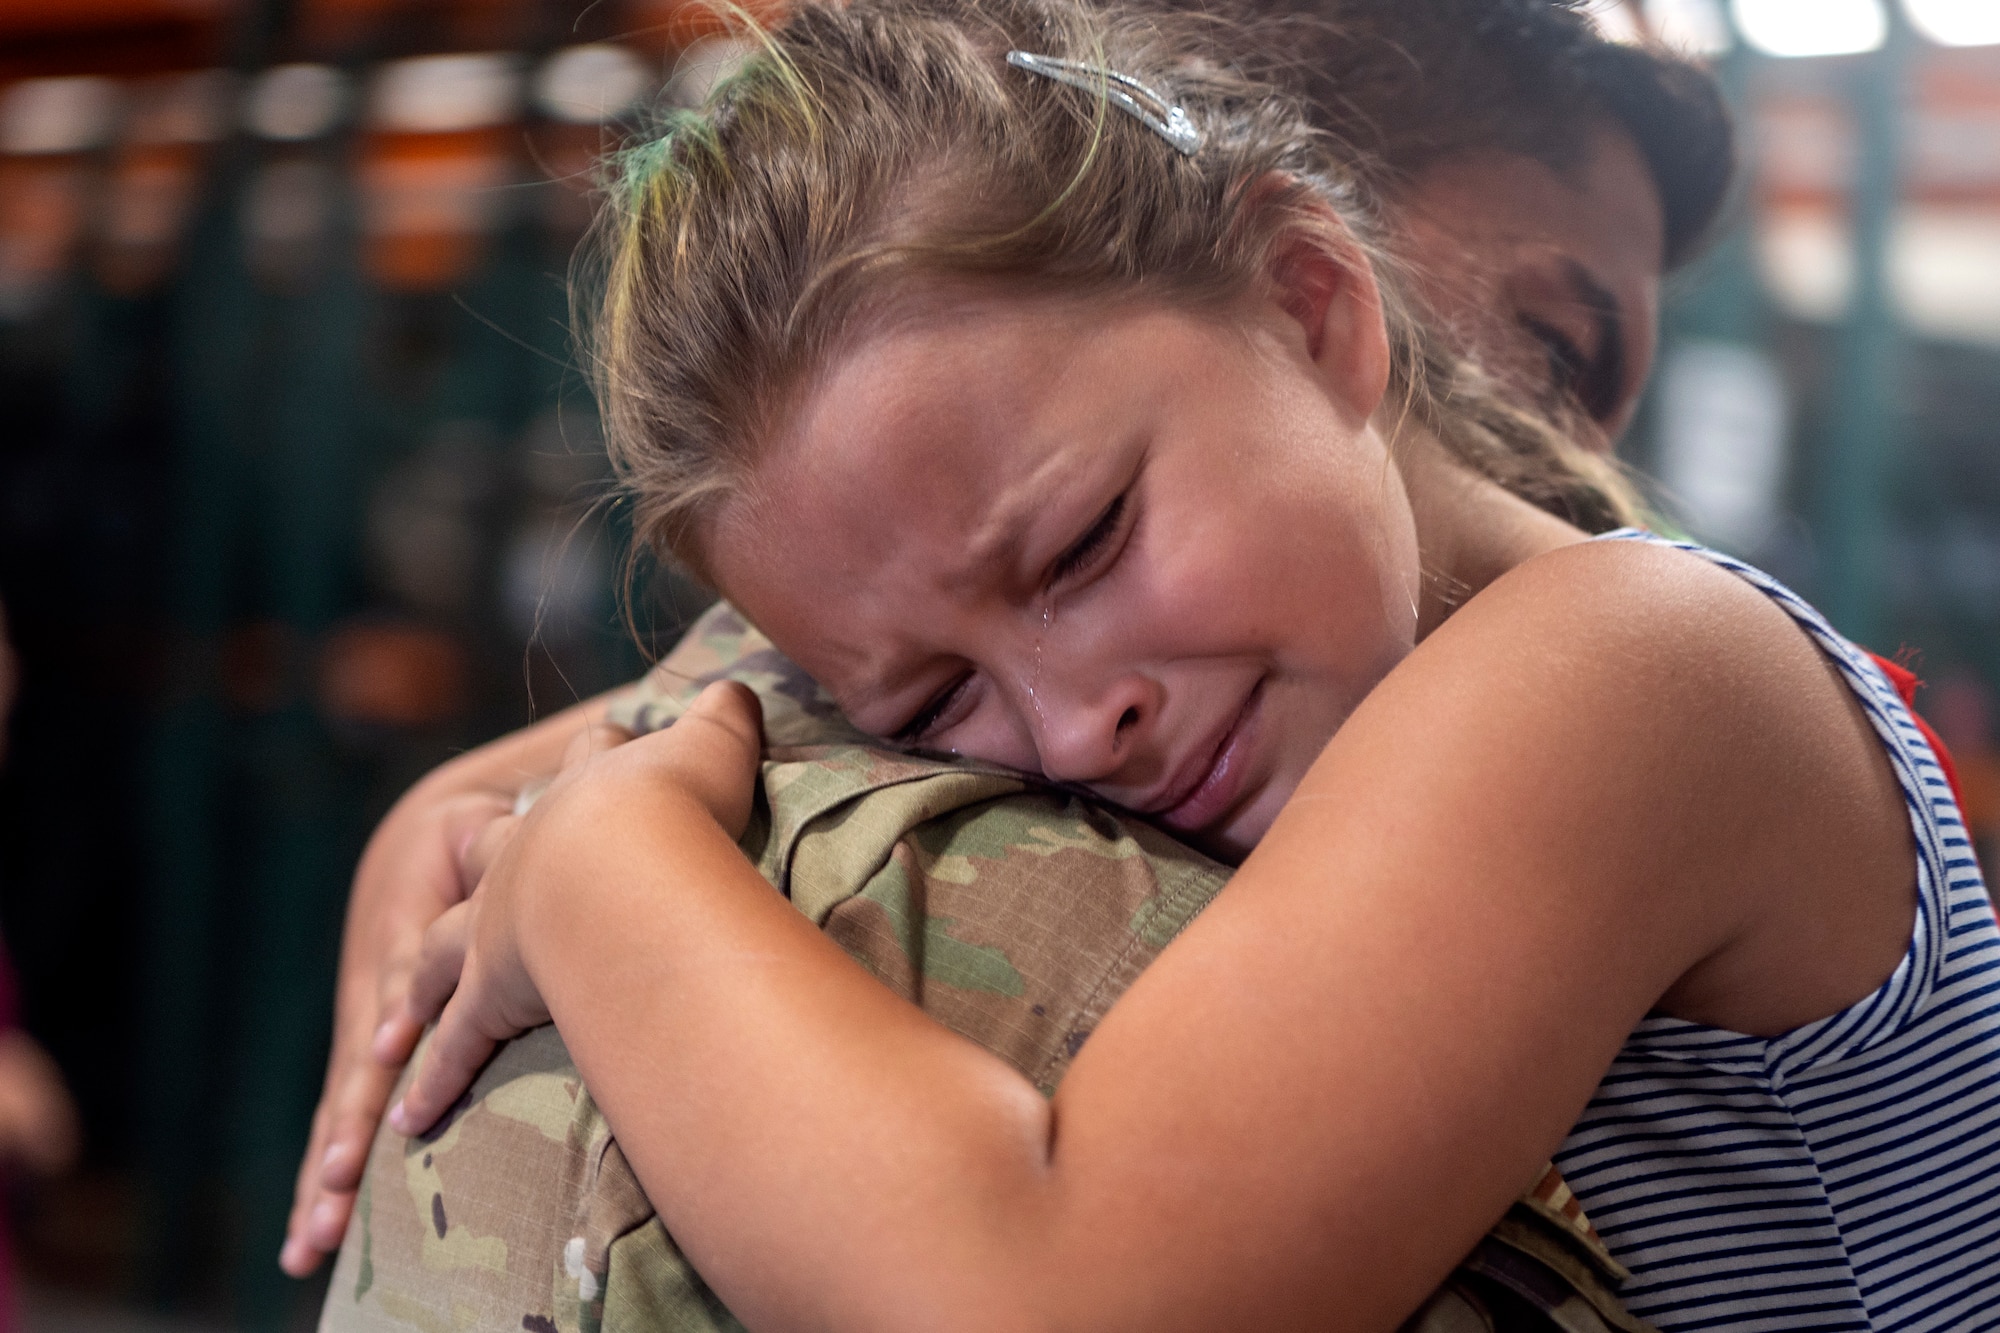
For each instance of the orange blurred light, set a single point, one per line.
(428, 200)
(43, 16)
(391, 674)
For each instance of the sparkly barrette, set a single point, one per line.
(1153, 111)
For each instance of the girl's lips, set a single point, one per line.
(1220, 785)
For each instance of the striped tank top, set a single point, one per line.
(1845, 1175)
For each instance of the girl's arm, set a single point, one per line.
(1554, 817)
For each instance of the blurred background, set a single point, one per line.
(299, 495)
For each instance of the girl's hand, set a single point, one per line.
(472, 976)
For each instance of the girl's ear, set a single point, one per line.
(1321, 277)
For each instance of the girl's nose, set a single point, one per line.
(1092, 737)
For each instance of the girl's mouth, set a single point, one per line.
(1217, 786)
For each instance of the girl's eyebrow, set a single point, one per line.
(998, 543)
(1002, 540)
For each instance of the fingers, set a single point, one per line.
(713, 751)
(596, 738)
(315, 1232)
(479, 853)
(409, 875)
(464, 819)
(723, 730)
(299, 1256)
(319, 1215)
(734, 707)
(396, 1036)
(353, 1112)
(458, 1050)
(345, 1123)
(343, 1129)
(440, 965)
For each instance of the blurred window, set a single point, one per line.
(71, 115)
(590, 85)
(1956, 22)
(292, 103)
(1812, 27)
(444, 94)
(1698, 27)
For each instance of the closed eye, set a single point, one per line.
(1088, 547)
(1567, 363)
(1594, 381)
(1080, 557)
(918, 728)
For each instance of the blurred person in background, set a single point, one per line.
(1543, 178)
(39, 1133)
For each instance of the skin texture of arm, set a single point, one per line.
(1220, 1154)
(408, 876)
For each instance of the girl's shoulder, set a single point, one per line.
(1624, 634)
(1715, 726)
(1672, 603)
(1648, 629)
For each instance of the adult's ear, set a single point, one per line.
(1322, 278)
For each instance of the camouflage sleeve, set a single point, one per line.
(1011, 913)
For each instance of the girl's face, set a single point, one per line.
(1154, 553)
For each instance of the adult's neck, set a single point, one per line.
(1470, 530)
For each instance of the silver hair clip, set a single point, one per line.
(1155, 112)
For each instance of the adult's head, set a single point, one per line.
(894, 320)
(1541, 177)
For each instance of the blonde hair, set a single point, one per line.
(869, 144)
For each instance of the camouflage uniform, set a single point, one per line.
(1012, 913)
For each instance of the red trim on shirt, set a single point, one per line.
(1906, 683)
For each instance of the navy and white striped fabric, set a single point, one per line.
(1842, 1176)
